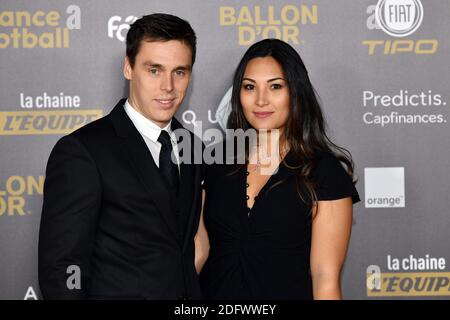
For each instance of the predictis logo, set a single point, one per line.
(398, 19)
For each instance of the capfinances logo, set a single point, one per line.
(398, 19)
(39, 29)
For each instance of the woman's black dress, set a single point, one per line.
(264, 252)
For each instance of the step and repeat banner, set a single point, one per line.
(381, 69)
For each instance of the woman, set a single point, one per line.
(282, 235)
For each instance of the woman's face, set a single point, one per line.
(265, 94)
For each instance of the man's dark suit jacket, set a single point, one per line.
(108, 211)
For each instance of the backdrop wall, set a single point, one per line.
(381, 69)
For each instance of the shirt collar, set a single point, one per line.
(145, 126)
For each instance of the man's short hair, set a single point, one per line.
(159, 27)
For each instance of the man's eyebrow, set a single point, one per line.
(185, 67)
(153, 64)
(160, 66)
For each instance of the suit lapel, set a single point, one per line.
(141, 160)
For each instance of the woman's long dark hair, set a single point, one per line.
(305, 129)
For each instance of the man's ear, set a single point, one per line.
(127, 70)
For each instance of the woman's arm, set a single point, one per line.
(331, 228)
(201, 241)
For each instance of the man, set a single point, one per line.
(119, 217)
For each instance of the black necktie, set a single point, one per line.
(168, 168)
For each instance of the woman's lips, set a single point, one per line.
(263, 114)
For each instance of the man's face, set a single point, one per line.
(159, 79)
